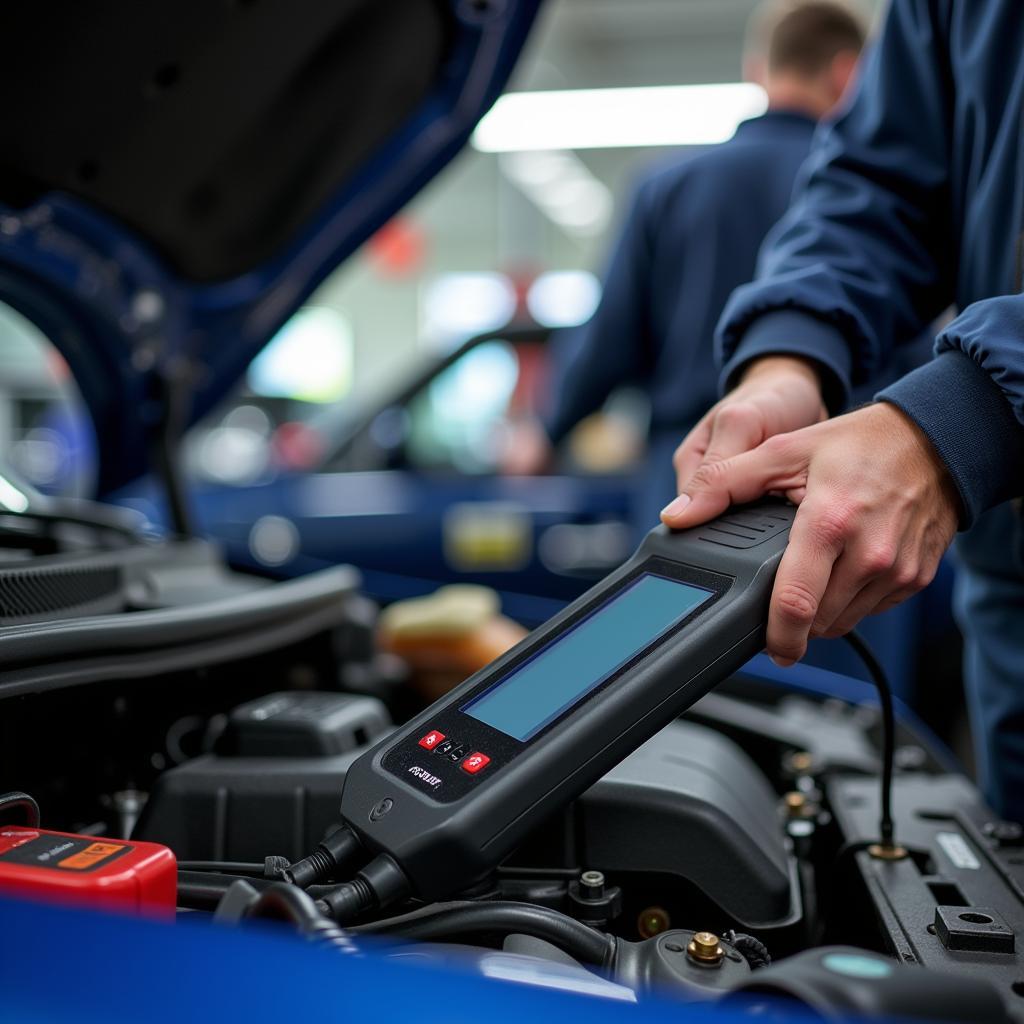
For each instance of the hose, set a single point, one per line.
(203, 890)
(282, 901)
(754, 951)
(450, 922)
(24, 802)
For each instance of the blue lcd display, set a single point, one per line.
(565, 671)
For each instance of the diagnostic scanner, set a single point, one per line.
(453, 792)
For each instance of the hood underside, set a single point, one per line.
(176, 176)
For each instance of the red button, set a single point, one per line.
(476, 762)
(431, 740)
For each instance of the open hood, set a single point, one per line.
(177, 176)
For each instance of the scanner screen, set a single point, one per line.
(563, 672)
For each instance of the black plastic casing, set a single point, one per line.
(448, 833)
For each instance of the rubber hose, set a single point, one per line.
(282, 901)
(449, 922)
(203, 890)
(24, 802)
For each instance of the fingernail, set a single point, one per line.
(676, 506)
(782, 662)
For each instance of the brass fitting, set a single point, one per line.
(704, 949)
(795, 802)
(887, 851)
(799, 805)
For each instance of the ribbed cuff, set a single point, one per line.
(971, 425)
(787, 332)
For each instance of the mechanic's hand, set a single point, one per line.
(525, 449)
(877, 511)
(777, 394)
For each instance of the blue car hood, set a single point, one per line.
(177, 176)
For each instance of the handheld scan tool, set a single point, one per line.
(454, 791)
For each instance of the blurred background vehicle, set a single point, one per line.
(407, 488)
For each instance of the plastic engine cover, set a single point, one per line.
(689, 803)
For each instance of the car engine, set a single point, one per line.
(729, 859)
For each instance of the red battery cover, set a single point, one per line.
(112, 874)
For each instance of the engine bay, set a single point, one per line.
(728, 858)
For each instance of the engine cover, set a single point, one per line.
(689, 805)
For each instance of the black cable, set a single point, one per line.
(881, 681)
(451, 922)
(23, 802)
(203, 890)
(377, 886)
(281, 901)
(346, 902)
(332, 853)
(225, 867)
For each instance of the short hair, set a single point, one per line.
(804, 35)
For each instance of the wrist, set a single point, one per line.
(891, 421)
(781, 366)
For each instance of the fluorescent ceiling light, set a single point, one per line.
(458, 305)
(562, 187)
(563, 298)
(659, 115)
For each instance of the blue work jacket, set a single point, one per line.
(691, 236)
(913, 201)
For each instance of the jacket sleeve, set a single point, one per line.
(969, 401)
(610, 349)
(863, 258)
(866, 258)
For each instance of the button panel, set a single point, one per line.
(447, 749)
(433, 772)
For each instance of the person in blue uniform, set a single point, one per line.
(692, 235)
(914, 201)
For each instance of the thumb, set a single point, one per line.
(745, 477)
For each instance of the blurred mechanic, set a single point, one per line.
(914, 200)
(690, 238)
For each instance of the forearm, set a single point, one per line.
(862, 258)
